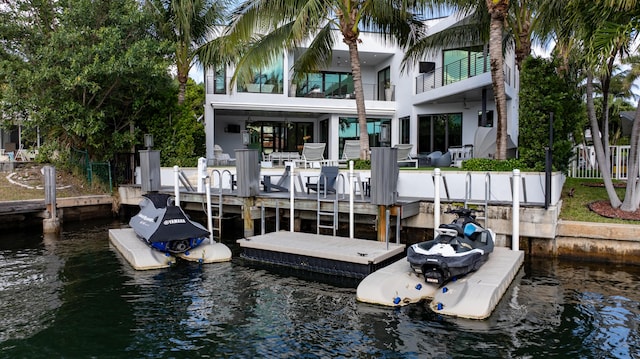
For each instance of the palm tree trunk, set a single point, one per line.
(631, 198)
(597, 144)
(356, 73)
(498, 11)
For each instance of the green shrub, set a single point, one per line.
(488, 164)
(361, 164)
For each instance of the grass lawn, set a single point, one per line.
(575, 208)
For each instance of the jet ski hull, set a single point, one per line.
(165, 227)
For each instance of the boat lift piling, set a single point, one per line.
(52, 223)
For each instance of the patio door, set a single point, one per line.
(439, 132)
(273, 136)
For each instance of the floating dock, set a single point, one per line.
(473, 296)
(143, 257)
(341, 256)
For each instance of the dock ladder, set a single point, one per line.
(216, 214)
(487, 196)
(323, 215)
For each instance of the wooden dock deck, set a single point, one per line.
(342, 256)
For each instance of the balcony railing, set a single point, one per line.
(331, 90)
(455, 72)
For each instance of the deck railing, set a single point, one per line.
(457, 71)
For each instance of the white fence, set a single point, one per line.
(585, 165)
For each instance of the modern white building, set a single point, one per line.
(436, 105)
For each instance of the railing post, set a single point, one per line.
(436, 200)
(351, 178)
(515, 231)
(176, 185)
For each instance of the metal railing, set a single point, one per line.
(585, 164)
(457, 71)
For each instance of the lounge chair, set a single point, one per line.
(312, 153)
(282, 185)
(404, 154)
(326, 180)
(350, 151)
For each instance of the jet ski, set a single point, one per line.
(459, 248)
(165, 227)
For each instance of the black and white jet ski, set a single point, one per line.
(459, 248)
(165, 227)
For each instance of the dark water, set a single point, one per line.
(73, 297)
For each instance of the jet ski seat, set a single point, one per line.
(454, 227)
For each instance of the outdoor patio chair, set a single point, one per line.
(312, 153)
(282, 185)
(350, 151)
(443, 161)
(404, 154)
(326, 181)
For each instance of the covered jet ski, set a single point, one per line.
(459, 248)
(165, 226)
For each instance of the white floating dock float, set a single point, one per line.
(143, 257)
(341, 256)
(473, 296)
(208, 253)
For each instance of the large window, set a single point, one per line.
(326, 85)
(271, 136)
(460, 64)
(384, 80)
(439, 132)
(350, 130)
(267, 80)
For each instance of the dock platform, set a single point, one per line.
(473, 296)
(341, 256)
(143, 257)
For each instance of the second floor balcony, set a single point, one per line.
(456, 71)
(325, 87)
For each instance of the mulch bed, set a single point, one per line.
(604, 209)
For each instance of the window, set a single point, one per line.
(488, 121)
(326, 84)
(405, 128)
(459, 64)
(439, 132)
(270, 136)
(384, 78)
(267, 80)
(350, 130)
(219, 83)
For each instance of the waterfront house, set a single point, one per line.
(437, 105)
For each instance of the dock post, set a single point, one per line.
(436, 200)
(176, 185)
(515, 232)
(248, 175)
(351, 179)
(51, 224)
(249, 227)
(383, 224)
(292, 190)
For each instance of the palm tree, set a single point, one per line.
(187, 24)
(606, 30)
(271, 27)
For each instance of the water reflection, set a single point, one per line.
(75, 297)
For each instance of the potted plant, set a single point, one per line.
(387, 91)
